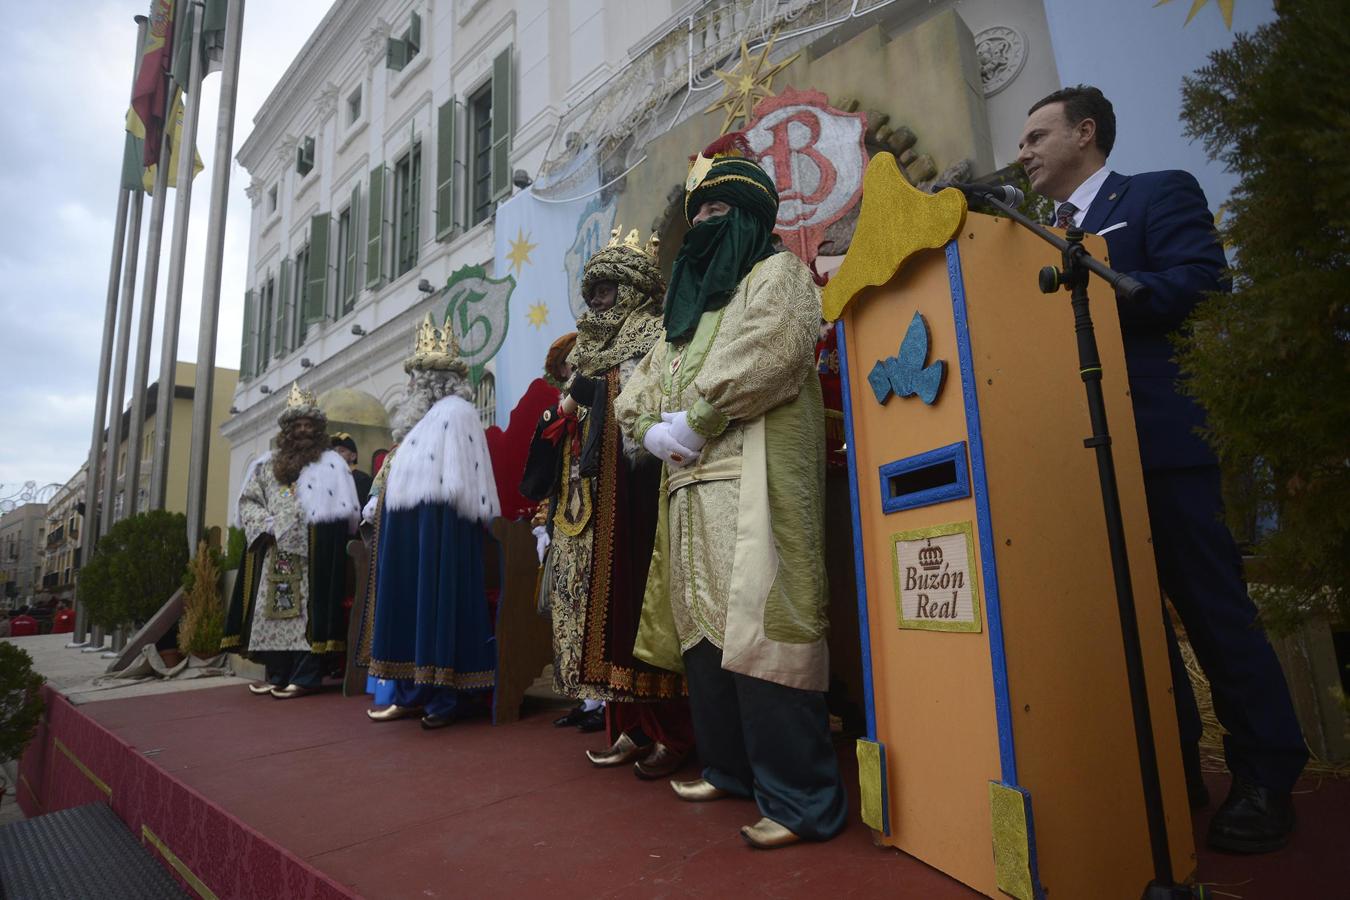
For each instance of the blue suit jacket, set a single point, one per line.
(1166, 239)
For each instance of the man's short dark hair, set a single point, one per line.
(1085, 102)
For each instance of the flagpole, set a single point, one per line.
(147, 323)
(199, 454)
(90, 522)
(177, 258)
(173, 298)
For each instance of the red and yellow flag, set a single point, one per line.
(151, 90)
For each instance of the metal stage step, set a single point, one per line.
(83, 852)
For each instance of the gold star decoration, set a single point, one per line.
(537, 314)
(1225, 7)
(520, 251)
(747, 84)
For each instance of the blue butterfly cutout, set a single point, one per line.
(905, 374)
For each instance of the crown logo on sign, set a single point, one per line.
(300, 399)
(930, 557)
(631, 242)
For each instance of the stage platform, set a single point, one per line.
(250, 797)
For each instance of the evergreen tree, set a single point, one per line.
(1271, 360)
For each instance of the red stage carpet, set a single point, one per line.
(252, 797)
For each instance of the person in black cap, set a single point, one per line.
(346, 448)
(736, 591)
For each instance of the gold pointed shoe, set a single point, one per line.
(698, 791)
(260, 687)
(292, 690)
(625, 750)
(393, 712)
(766, 834)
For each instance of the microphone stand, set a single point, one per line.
(1072, 275)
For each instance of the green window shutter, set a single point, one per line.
(445, 170)
(316, 296)
(280, 304)
(247, 342)
(395, 54)
(349, 279)
(415, 205)
(304, 156)
(375, 230)
(413, 39)
(503, 101)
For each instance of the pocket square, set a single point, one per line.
(1112, 228)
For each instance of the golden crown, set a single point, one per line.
(631, 242)
(434, 348)
(299, 399)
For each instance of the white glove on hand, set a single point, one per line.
(661, 444)
(681, 432)
(368, 513)
(541, 541)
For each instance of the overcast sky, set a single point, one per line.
(66, 67)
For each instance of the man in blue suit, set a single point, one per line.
(1158, 228)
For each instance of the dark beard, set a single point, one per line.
(294, 453)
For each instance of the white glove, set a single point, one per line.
(661, 444)
(681, 432)
(368, 513)
(541, 541)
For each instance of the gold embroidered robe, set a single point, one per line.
(739, 546)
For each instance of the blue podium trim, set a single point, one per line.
(980, 481)
(859, 570)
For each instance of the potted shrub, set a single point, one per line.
(203, 621)
(20, 703)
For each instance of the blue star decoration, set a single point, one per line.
(905, 374)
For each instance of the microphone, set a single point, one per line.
(1004, 193)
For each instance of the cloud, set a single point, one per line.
(68, 78)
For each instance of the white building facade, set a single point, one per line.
(378, 162)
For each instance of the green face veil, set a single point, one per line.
(718, 252)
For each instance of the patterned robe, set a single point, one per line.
(602, 529)
(293, 589)
(738, 558)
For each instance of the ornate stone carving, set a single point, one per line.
(326, 101)
(374, 42)
(286, 149)
(1003, 53)
(254, 190)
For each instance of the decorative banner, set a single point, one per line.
(816, 157)
(936, 588)
(478, 313)
(593, 233)
(533, 240)
(906, 374)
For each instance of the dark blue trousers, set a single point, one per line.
(1200, 569)
(298, 667)
(767, 741)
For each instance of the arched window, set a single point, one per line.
(485, 399)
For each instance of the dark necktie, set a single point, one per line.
(1064, 215)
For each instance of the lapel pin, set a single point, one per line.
(1112, 197)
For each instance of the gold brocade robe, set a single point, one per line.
(739, 555)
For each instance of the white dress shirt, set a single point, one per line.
(1084, 194)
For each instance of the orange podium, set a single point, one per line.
(1001, 748)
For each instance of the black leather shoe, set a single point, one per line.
(592, 721)
(1196, 792)
(1253, 819)
(572, 719)
(431, 722)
